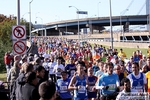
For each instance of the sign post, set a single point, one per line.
(19, 39)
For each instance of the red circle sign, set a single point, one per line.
(19, 32)
(19, 47)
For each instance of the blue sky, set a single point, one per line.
(57, 10)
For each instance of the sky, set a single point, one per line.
(46, 11)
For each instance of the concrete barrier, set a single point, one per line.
(90, 38)
(122, 44)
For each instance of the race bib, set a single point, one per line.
(139, 88)
(63, 88)
(72, 72)
(112, 87)
(90, 88)
(82, 89)
(58, 73)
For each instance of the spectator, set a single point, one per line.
(40, 72)
(30, 92)
(7, 61)
(13, 75)
(20, 81)
(47, 91)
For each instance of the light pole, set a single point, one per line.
(90, 22)
(122, 13)
(78, 22)
(24, 15)
(30, 20)
(18, 12)
(111, 34)
(42, 24)
(66, 27)
(98, 8)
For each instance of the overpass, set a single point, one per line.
(55, 28)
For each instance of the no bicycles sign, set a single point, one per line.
(19, 47)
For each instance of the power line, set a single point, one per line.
(130, 4)
(141, 8)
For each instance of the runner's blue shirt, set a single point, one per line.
(80, 93)
(71, 68)
(109, 80)
(62, 88)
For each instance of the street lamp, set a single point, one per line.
(98, 8)
(78, 22)
(24, 15)
(30, 20)
(42, 24)
(122, 13)
(111, 34)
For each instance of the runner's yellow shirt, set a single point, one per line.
(149, 52)
(148, 77)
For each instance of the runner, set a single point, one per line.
(51, 68)
(109, 83)
(91, 87)
(62, 87)
(125, 94)
(137, 79)
(58, 68)
(78, 84)
(70, 68)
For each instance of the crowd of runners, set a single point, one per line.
(65, 69)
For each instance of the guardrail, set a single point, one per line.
(106, 40)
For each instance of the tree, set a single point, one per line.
(6, 24)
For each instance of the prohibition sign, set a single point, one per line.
(19, 47)
(19, 32)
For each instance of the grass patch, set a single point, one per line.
(129, 51)
(3, 76)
